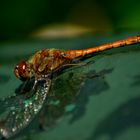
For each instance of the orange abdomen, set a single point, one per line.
(71, 54)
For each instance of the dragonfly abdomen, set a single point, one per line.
(71, 54)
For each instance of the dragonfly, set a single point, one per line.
(41, 67)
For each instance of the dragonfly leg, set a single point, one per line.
(79, 64)
(23, 87)
(35, 83)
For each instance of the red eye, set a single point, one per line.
(20, 71)
(21, 67)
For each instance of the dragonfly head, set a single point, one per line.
(22, 71)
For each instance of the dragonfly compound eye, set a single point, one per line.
(21, 71)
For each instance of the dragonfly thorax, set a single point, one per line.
(46, 61)
(43, 62)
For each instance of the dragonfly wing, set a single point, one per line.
(22, 111)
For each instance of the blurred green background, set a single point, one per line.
(24, 18)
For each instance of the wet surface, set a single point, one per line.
(67, 96)
(125, 117)
(4, 78)
(83, 94)
(136, 79)
(99, 84)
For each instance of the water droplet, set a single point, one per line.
(12, 108)
(14, 129)
(13, 112)
(35, 110)
(27, 119)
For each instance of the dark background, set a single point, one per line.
(19, 19)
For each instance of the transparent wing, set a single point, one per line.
(22, 109)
